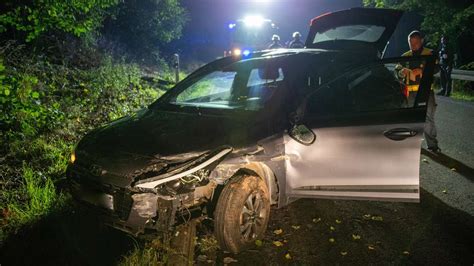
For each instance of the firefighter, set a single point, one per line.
(413, 74)
(296, 42)
(446, 66)
(275, 42)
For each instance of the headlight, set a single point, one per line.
(73, 157)
(237, 52)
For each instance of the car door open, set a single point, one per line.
(368, 126)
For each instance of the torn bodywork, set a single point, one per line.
(159, 197)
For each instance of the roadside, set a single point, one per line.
(438, 231)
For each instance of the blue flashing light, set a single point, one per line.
(231, 26)
(246, 52)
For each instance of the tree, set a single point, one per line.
(37, 17)
(142, 27)
(453, 19)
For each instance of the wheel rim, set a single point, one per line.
(252, 217)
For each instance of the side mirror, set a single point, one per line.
(302, 134)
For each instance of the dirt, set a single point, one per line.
(363, 232)
(429, 233)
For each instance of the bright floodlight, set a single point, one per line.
(237, 52)
(253, 21)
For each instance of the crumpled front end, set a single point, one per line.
(151, 199)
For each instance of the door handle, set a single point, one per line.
(398, 134)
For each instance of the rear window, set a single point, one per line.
(365, 33)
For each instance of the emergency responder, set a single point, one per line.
(275, 42)
(446, 66)
(296, 42)
(413, 73)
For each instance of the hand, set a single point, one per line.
(415, 73)
(404, 72)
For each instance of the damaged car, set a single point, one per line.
(333, 121)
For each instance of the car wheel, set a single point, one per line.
(242, 213)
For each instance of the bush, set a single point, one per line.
(45, 109)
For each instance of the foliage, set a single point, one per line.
(441, 17)
(42, 198)
(45, 109)
(142, 27)
(37, 17)
(143, 256)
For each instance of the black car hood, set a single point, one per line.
(150, 140)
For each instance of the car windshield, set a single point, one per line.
(247, 85)
(366, 33)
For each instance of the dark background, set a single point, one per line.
(206, 35)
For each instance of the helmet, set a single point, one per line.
(296, 34)
(275, 37)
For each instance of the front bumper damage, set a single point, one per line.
(151, 205)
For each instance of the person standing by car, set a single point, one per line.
(446, 66)
(275, 42)
(413, 76)
(296, 42)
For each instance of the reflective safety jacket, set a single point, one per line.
(413, 85)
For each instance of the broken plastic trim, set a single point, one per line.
(209, 159)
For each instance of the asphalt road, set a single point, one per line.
(449, 176)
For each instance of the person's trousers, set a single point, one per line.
(446, 81)
(430, 127)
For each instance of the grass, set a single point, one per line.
(154, 253)
(463, 94)
(461, 90)
(41, 199)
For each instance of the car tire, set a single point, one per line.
(242, 213)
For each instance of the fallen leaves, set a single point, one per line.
(288, 256)
(296, 227)
(425, 161)
(453, 169)
(338, 221)
(228, 260)
(278, 231)
(343, 253)
(377, 218)
(356, 237)
(277, 243)
(445, 191)
(370, 247)
(332, 240)
(258, 243)
(406, 253)
(332, 228)
(316, 220)
(372, 217)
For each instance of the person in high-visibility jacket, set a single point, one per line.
(412, 73)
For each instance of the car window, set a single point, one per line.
(366, 33)
(377, 87)
(256, 79)
(215, 87)
(244, 85)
